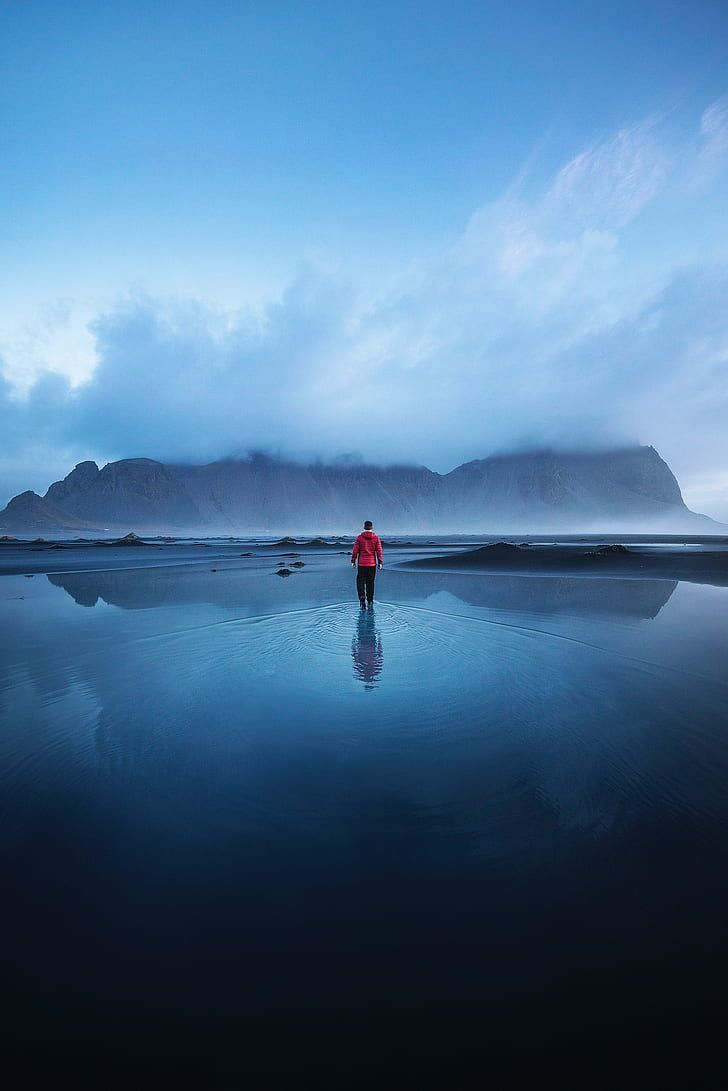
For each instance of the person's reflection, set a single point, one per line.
(366, 650)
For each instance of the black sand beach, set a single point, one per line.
(698, 562)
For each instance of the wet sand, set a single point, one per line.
(18, 557)
(698, 562)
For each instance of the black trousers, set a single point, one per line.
(365, 574)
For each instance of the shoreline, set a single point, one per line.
(612, 560)
(695, 559)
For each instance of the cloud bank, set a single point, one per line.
(589, 313)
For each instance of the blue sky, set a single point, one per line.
(413, 231)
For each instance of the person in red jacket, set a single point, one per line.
(368, 550)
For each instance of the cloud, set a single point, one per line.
(713, 153)
(545, 322)
(58, 339)
(609, 184)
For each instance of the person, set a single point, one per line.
(368, 550)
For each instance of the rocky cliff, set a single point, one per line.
(534, 491)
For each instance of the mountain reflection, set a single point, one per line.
(144, 589)
(366, 650)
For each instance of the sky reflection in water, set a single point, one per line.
(234, 786)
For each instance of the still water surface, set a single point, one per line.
(492, 809)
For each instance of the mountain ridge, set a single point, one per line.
(529, 490)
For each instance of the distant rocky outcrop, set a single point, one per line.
(530, 491)
(29, 512)
(130, 539)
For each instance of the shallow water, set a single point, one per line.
(490, 802)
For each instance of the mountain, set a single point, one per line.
(29, 512)
(134, 491)
(628, 488)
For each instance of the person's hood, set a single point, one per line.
(367, 534)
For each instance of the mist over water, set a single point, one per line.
(231, 798)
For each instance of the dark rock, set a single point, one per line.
(503, 549)
(299, 564)
(283, 572)
(130, 539)
(78, 481)
(612, 550)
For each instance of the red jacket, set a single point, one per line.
(368, 549)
